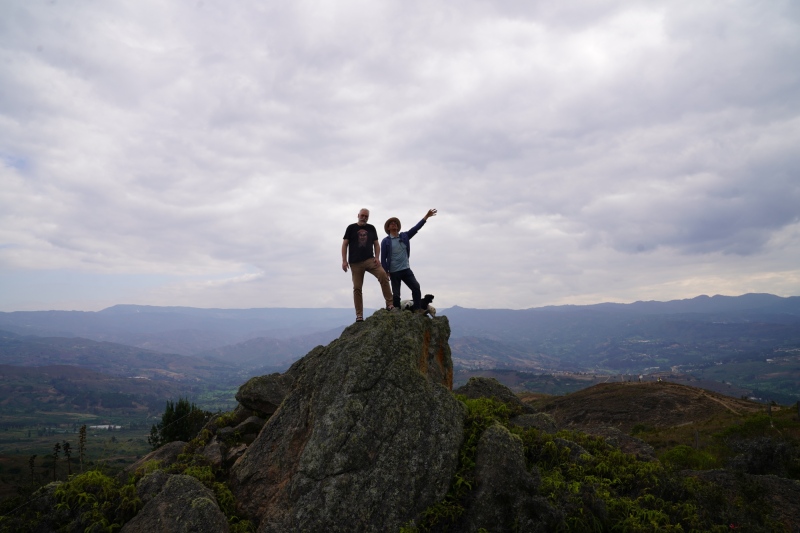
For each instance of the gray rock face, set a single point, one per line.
(240, 414)
(252, 424)
(215, 451)
(575, 449)
(367, 438)
(265, 393)
(151, 485)
(480, 387)
(504, 496)
(234, 453)
(541, 421)
(780, 495)
(183, 505)
(165, 455)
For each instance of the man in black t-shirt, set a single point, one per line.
(360, 251)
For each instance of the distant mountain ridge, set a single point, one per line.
(598, 335)
(181, 330)
(105, 357)
(690, 335)
(229, 326)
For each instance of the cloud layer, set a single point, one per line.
(211, 154)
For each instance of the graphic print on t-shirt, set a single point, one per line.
(363, 237)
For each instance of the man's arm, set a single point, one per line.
(345, 242)
(376, 245)
(413, 231)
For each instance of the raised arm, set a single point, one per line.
(430, 213)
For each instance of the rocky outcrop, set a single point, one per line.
(151, 484)
(625, 442)
(367, 437)
(265, 393)
(164, 456)
(780, 496)
(505, 496)
(541, 421)
(182, 505)
(481, 387)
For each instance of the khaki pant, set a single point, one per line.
(357, 272)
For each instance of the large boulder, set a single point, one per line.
(183, 505)
(541, 421)
(481, 387)
(776, 497)
(367, 438)
(505, 494)
(626, 443)
(163, 457)
(265, 393)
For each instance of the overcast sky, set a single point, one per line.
(211, 154)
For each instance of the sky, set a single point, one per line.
(211, 154)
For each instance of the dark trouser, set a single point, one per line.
(407, 277)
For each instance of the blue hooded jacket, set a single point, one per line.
(405, 237)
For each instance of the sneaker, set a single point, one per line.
(359, 319)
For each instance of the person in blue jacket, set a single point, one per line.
(395, 251)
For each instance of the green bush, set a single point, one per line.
(640, 428)
(683, 456)
(96, 502)
(754, 426)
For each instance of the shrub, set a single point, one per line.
(97, 502)
(683, 456)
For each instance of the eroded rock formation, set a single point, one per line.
(367, 437)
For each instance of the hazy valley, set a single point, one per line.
(119, 366)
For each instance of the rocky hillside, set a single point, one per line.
(365, 434)
(657, 404)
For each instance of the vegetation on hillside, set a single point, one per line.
(598, 488)
(592, 485)
(96, 501)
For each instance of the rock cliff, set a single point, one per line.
(367, 436)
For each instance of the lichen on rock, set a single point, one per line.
(182, 505)
(367, 438)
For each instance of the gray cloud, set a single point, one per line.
(212, 154)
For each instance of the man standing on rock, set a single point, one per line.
(364, 250)
(396, 248)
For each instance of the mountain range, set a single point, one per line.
(752, 340)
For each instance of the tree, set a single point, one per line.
(82, 445)
(31, 464)
(67, 453)
(56, 451)
(180, 421)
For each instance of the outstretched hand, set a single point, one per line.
(430, 213)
